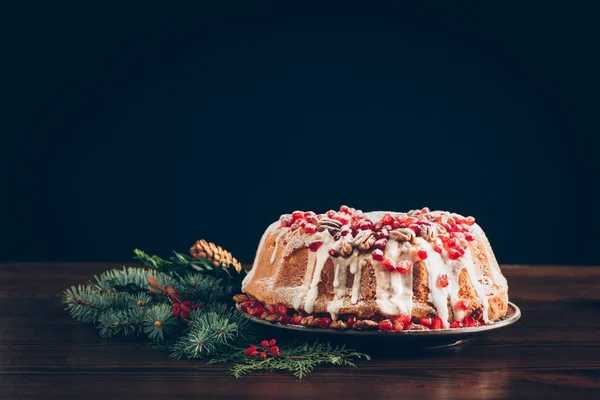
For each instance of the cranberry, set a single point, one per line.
(281, 309)
(454, 254)
(264, 343)
(272, 342)
(333, 253)
(263, 355)
(469, 221)
(456, 324)
(468, 321)
(389, 264)
(386, 325)
(274, 350)
(250, 350)
(426, 322)
(380, 244)
(324, 322)
(351, 321)
(437, 323)
(404, 266)
(422, 254)
(442, 281)
(383, 234)
(314, 246)
(310, 229)
(387, 219)
(398, 326)
(366, 224)
(377, 255)
(462, 305)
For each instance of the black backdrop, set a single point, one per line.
(152, 127)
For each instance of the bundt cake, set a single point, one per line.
(375, 270)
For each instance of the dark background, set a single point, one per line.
(152, 127)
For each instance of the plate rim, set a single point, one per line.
(504, 322)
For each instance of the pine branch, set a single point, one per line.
(129, 279)
(85, 303)
(198, 287)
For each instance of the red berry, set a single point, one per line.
(451, 243)
(310, 214)
(383, 234)
(286, 221)
(469, 237)
(282, 310)
(442, 281)
(422, 254)
(398, 326)
(345, 209)
(314, 246)
(263, 355)
(324, 322)
(297, 215)
(416, 228)
(366, 224)
(296, 319)
(426, 322)
(274, 350)
(285, 319)
(437, 323)
(468, 321)
(272, 342)
(469, 221)
(333, 253)
(343, 219)
(403, 266)
(380, 244)
(310, 229)
(387, 219)
(258, 311)
(462, 305)
(254, 354)
(377, 255)
(250, 350)
(454, 254)
(456, 324)
(404, 319)
(351, 321)
(389, 264)
(264, 343)
(437, 249)
(386, 325)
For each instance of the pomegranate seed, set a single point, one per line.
(286, 221)
(282, 310)
(351, 321)
(437, 249)
(401, 220)
(345, 209)
(387, 219)
(285, 319)
(456, 324)
(386, 325)
(451, 243)
(263, 355)
(296, 319)
(345, 231)
(398, 326)
(404, 266)
(274, 350)
(324, 322)
(469, 237)
(380, 244)
(297, 215)
(377, 255)
(333, 253)
(410, 220)
(366, 224)
(426, 322)
(396, 224)
(272, 309)
(264, 343)
(258, 311)
(355, 224)
(330, 214)
(469, 221)
(462, 305)
(389, 264)
(437, 323)
(272, 342)
(415, 228)
(422, 254)
(442, 281)
(310, 229)
(294, 226)
(343, 219)
(314, 246)
(383, 234)
(312, 220)
(453, 254)
(468, 321)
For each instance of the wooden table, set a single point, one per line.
(552, 352)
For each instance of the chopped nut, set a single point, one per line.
(440, 230)
(312, 321)
(402, 235)
(342, 325)
(240, 298)
(365, 324)
(272, 318)
(330, 224)
(365, 240)
(427, 233)
(347, 246)
(304, 321)
(264, 315)
(334, 324)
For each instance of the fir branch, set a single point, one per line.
(198, 287)
(129, 277)
(85, 303)
(159, 323)
(121, 322)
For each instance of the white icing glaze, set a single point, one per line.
(321, 259)
(356, 269)
(279, 235)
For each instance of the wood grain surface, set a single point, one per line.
(553, 352)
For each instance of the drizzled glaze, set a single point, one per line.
(394, 291)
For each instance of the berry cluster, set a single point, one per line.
(267, 347)
(456, 237)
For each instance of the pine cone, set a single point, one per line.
(215, 254)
